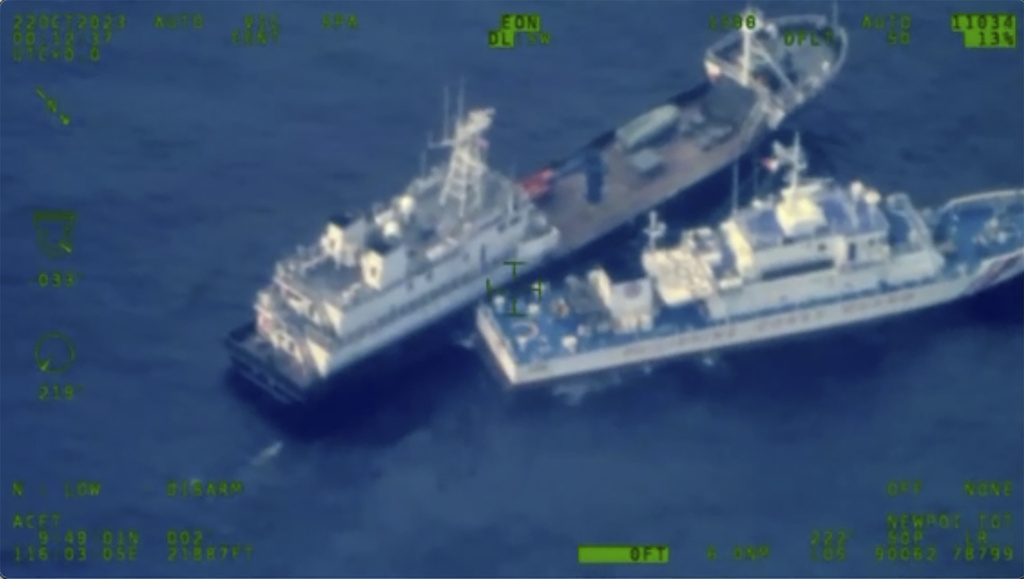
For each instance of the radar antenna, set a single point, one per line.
(655, 230)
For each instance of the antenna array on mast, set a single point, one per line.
(445, 126)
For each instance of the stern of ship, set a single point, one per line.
(984, 235)
(255, 360)
(786, 60)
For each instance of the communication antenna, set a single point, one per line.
(735, 186)
(793, 156)
(461, 103)
(655, 229)
(745, 62)
(445, 126)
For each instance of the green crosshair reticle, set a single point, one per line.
(538, 288)
(45, 221)
(54, 353)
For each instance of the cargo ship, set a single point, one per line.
(756, 77)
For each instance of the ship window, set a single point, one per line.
(822, 247)
(852, 253)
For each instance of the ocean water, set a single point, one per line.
(193, 163)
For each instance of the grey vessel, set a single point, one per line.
(374, 279)
(756, 77)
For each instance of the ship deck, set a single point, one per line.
(628, 193)
(982, 226)
(535, 339)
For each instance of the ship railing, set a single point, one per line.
(1000, 199)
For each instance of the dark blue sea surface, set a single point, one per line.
(195, 163)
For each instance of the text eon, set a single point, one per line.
(512, 25)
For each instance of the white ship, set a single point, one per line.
(373, 279)
(818, 255)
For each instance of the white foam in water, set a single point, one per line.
(267, 453)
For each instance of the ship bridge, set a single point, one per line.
(813, 223)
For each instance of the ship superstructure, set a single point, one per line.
(817, 255)
(756, 77)
(372, 279)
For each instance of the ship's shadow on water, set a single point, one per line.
(1002, 306)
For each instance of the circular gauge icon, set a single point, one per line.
(54, 353)
(55, 232)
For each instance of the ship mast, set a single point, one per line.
(444, 116)
(796, 163)
(655, 230)
(745, 58)
(466, 167)
(735, 186)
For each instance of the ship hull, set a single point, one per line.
(345, 398)
(798, 321)
(254, 361)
